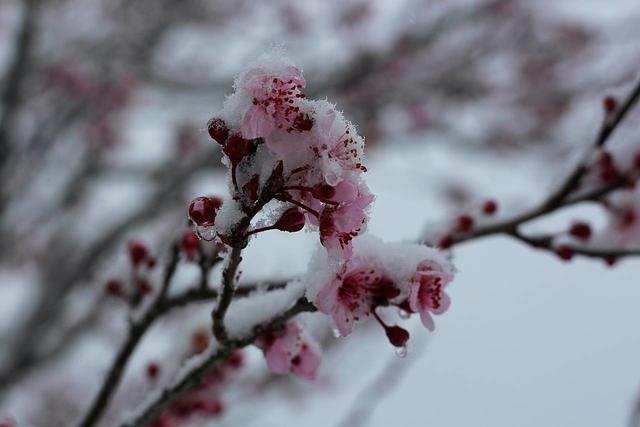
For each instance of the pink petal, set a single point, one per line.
(309, 362)
(327, 298)
(256, 123)
(346, 191)
(344, 320)
(427, 320)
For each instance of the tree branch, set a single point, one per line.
(153, 409)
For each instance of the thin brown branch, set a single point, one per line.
(152, 410)
(545, 242)
(228, 290)
(562, 197)
(136, 332)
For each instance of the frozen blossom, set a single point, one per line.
(299, 164)
(410, 276)
(279, 145)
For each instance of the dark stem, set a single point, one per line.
(152, 411)
(228, 290)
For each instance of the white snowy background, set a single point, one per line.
(529, 340)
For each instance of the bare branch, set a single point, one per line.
(150, 412)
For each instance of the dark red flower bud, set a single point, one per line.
(236, 360)
(237, 148)
(218, 130)
(445, 241)
(464, 223)
(580, 230)
(564, 252)
(636, 162)
(203, 210)
(607, 168)
(323, 191)
(398, 336)
(489, 207)
(144, 286)
(153, 370)
(138, 252)
(292, 220)
(113, 288)
(610, 104)
(190, 244)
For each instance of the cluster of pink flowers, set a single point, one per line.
(411, 277)
(269, 120)
(303, 158)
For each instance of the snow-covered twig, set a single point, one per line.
(154, 408)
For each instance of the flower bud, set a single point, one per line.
(203, 210)
(292, 220)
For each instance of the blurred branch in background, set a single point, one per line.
(103, 105)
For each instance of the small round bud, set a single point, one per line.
(445, 241)
(397, 336)
(138, 252)
(636, 162)
(292, 220)
(610, 104)
(190, 244)
(237, 148)
(464, 223)
(203, 210)
(113, 288)
(580, 230)
(218, 130)
(153, 370)
(489, 207)
(564, 252)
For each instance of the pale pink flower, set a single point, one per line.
(340, 224)
(290, 351)
(350, 295)
(338, 146)
(427, 291)
(275, 112)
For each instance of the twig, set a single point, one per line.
(228, 289)
(562, 196)
(152, 410)
(136, 332)
(546, 242)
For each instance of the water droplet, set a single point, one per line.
(336, 333)
(206, 233)
(404, 314)
(401, 352)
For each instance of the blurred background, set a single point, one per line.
(104, 105)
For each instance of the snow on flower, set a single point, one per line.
(409, 276)
(268, 123)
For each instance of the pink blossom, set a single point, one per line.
(427, 291)
(340, 224)
(349, 296)
(290, 351)
(339, 148)
(275, 110)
